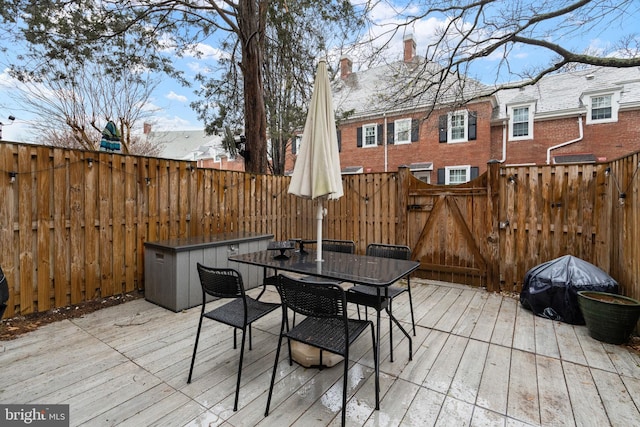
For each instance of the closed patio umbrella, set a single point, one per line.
(316, 174)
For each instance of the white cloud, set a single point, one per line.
(204, 51)
(167, 123)
(198, 67)
(175, 97)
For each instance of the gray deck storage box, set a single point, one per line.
(171, 276)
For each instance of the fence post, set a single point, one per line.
(492, 226)
(404, 174)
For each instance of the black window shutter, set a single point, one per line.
(294, 143)
(473, 119)
(380, 130)
(474, 172)
(441, 176)
(359, 136)
(339, 133)
(442, 128)
(415, 130)
(390, 134)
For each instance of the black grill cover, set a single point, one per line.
(551, 289)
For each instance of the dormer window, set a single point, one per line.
(602, 107)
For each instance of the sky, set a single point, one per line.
(170, 101)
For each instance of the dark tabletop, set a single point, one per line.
(360, 269)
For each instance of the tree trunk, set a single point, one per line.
(251, 22)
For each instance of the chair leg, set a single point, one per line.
(413, 322)
(273, 374)
(286, 321)
(390, 330)
(235, 345)
(375, 363)
(235, 404)
(344, 386)
(195, 348)
(250, 345)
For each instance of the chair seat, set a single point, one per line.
(368, 296)
(232, 313)
(327, 334)
(392, 291)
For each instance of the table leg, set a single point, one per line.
(264, 282)
(406, 334)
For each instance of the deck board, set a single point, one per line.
(523, 334)
(616, 398)
(588, 408)
(523, 401)
(504, 327)
(555, 407)
(466, 381)
(479, 359)
(483, 329)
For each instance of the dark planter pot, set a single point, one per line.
(610, 318)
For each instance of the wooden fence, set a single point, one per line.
(73, 223)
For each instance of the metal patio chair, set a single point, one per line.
(325, 326)
(368, 296)
(240, 313)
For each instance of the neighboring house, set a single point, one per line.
(591, 115)
(587, 115)
(196, 146)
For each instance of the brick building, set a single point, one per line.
(588, 115)
(194, 145)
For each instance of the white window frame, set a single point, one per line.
(373, 126)
(615, 105)
(449, 169)
(465, 138)
(297, 140)
(512, 122)
(423, 175)
(402, 126)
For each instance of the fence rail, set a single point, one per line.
(73, 223)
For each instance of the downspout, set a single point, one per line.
(504, 141)
(566, 143)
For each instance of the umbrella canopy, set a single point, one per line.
(316, 174)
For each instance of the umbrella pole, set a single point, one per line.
(319, 215)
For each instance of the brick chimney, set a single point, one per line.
(409, 48)
(146, 128)
(345, 67)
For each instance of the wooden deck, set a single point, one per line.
(479, 360)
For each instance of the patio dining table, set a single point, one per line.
(365, 270)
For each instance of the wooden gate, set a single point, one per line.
(452, 232)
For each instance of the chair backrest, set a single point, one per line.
(346, 246)
(221, 282)
(389, 251)
(312, 299)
